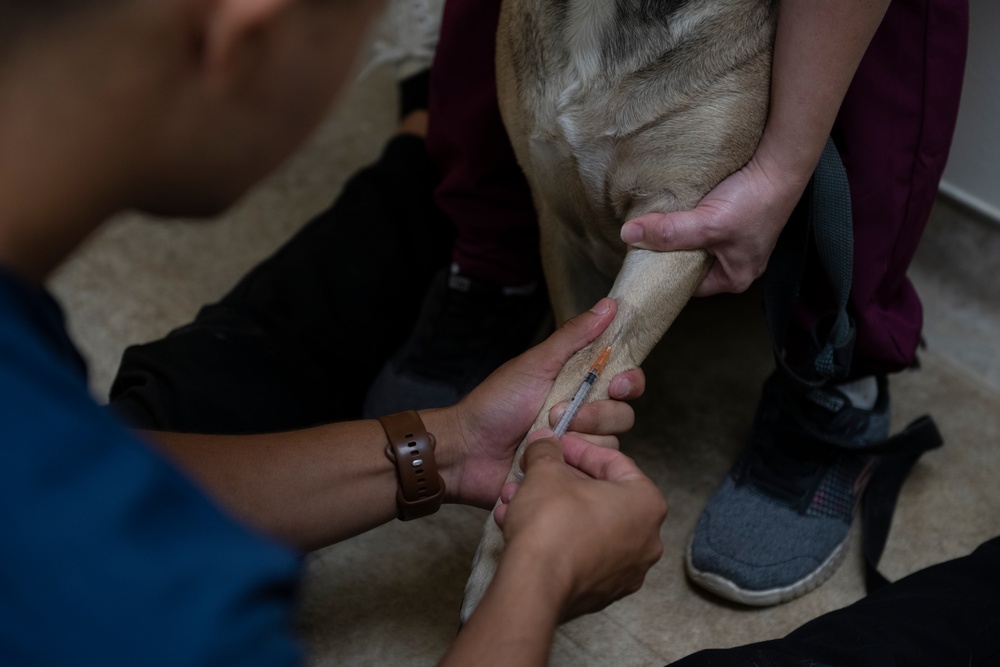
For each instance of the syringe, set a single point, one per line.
(581, 393)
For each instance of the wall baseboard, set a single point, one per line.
(963, 197)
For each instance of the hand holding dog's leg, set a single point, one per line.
(739, 221)
(581, 532)
(603, 536)
(535, 383)
(650, 291)
(495, 416)
(599, 421)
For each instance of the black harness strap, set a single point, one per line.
(897, 456)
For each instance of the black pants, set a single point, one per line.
(945, 615)
(298, 341)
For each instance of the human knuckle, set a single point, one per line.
(663, 233)
(662, 508)
(656, 504)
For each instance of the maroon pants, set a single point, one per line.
(894, 131)
(483, 190)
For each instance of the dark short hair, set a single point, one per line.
(18, 15)
(21, 10)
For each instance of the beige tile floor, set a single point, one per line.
(392, 595)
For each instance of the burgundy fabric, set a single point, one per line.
(483, 190)
(894, 131)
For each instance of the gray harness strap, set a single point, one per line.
(824, 216)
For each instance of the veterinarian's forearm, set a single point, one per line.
(516, 620)
(818, 48)
(309, 488)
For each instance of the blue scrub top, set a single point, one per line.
(108, 554)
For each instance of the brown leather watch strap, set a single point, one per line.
(411, 448)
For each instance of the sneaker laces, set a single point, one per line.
(408, 37)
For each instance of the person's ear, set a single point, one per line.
(236, 32)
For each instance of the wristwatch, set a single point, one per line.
(411, 449)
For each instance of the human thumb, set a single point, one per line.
(682, 230)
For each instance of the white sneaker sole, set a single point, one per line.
(727, 589)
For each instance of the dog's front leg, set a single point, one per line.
(651, 289)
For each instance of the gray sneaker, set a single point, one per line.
(778, 526)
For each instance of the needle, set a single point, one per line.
(581, 393)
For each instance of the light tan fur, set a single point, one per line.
(617, 108)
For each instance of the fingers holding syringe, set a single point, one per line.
(600, 421)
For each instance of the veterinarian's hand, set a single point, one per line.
(588, 515)
(494, 417)
(738, 223)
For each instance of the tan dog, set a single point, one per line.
(618, 108)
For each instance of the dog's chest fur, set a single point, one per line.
(597, 74)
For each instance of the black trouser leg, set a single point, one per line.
(948, 614)
(299, 339)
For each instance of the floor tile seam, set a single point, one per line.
(956, 367)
